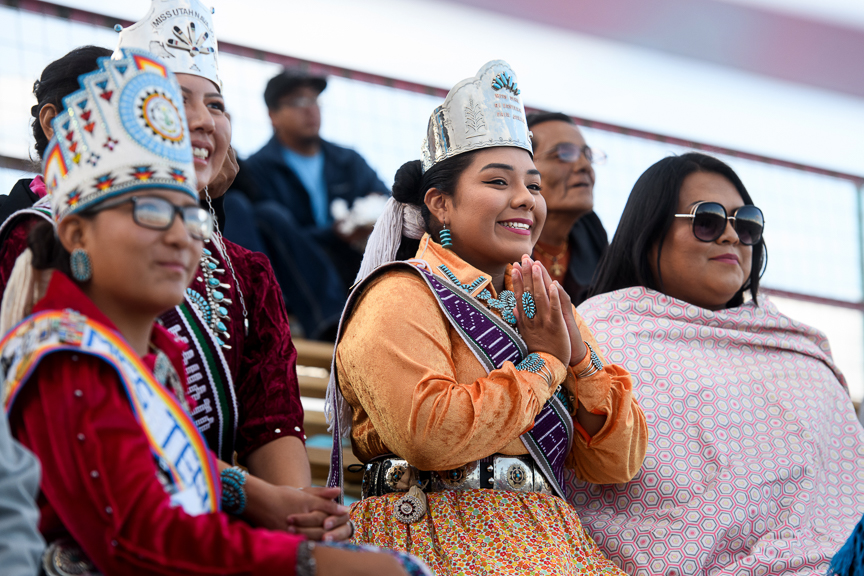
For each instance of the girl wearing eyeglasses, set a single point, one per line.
(754, 463)
(240, 356)
(95, 387)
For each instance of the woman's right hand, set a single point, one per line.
(339, 562)
(546, 331)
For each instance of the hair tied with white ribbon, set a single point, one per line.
(25, 287)
(397, 220)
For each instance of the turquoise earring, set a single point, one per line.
(79, 262)
(444, 236)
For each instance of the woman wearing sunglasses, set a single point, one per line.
(95, 386)
(754, 460)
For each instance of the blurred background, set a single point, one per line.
(773, 87)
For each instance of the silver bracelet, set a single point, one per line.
(305, 561)
(595, 367)
(547, 374)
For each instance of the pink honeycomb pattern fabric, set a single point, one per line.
(755, 463)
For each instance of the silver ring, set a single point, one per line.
(353, 529)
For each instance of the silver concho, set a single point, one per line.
(516, 476)
(465, 477)
(511, 473)
(65, 558)
(394, 474)
(409, 509)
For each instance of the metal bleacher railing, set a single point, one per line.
(815, 217)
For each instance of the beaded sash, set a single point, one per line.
(208, 378)
(493, 342)
(177, 445)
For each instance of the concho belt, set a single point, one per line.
(64, 557)
(497, 472)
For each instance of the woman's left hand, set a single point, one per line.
(222, 181)
(578, 350)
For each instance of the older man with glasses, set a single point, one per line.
(573, 238)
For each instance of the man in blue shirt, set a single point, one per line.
(296, 176)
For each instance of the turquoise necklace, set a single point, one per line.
(505, 303)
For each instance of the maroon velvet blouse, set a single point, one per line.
(264, 363)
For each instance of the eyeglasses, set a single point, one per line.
(567, 152)
(299, 102)
(158, 214)
(709, 222)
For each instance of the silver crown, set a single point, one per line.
(481, 112)
(180, 32)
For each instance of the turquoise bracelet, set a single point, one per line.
(233, 491)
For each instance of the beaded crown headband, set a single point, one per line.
(180, 32)
(124, 130)
(480, 112)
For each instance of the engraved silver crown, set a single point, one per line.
(180, 32)
(480, 112)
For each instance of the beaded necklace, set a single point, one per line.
(212, 306)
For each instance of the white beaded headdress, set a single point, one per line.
(481, 112)
(180, 32)
(124, 130)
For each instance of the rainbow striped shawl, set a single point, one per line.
(178, 447)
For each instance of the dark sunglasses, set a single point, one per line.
(709, 222)
(567, 152)
(158, 214)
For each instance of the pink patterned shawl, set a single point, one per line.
(755, 462)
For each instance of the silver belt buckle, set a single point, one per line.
(512, 474)
(465, 477)
(396, 474)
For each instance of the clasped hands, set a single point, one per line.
(552, 328)
(309, 511)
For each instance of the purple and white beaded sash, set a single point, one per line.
(493, 342)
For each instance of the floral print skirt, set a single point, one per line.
(486, 533)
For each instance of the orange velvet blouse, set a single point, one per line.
(416, 389)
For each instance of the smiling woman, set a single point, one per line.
(108, 413)
(463, 376)
(755, 467)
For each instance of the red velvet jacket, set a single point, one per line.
(99, 482)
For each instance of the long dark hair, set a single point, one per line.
(411, 184)
(58, 80)
(647, 217)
